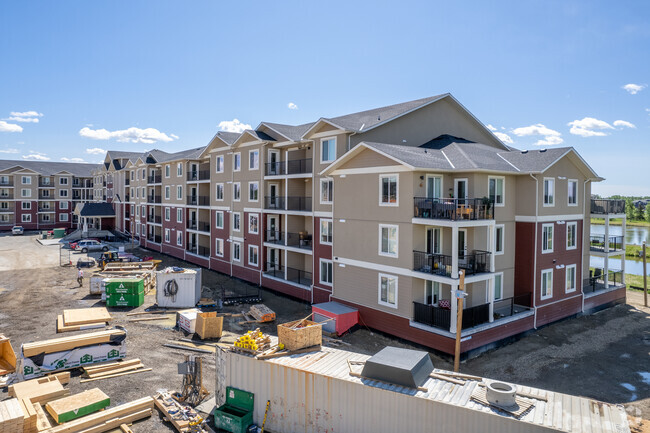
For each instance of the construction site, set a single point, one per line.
(95, 342)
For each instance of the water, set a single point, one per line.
(634, 267)
(633, 235)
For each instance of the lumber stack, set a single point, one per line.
(262, 313)
(69, 343)
(82, 318)
(252, 342)
(77, 405)
(113, 369)
(41, 390)
(11, 416)
(181, 416)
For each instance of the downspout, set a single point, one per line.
(535, 255)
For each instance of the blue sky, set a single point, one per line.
(81, 77)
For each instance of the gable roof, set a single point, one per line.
(91, 209)
(46, 168)
(290, 132)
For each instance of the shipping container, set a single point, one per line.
(178, 289)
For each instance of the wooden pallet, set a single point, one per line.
(262, 313)
(276, 352)
(520, 407)
(180, 415)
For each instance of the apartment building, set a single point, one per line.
(381, 210)
(43, 195)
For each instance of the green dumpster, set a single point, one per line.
(124, 285)
(237, 414)
(124, 299)
(58, 233)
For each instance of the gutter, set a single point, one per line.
(535, 255)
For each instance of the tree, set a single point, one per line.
(629, 209)
(638, 213)
(647, 212)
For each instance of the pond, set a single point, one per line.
(633, 235)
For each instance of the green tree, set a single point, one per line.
(629, 209)
(647, 212)
(638, 213)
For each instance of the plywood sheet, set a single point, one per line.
(84, 316)
(68, 343)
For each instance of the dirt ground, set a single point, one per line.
(605, 356)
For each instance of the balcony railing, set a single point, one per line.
(156, 178)
(453, 209)
(441, 317)
(198, 250)
(299, 203)
(511, 306)
(157, 219)
(274, 202)
(45, 183)
(596, 280)
(299, 166)
(198, 200)
(597, 243)
(127, 197)
(299, 240)
(603, 206)
(274, 168)
(198, 225)
(127, 214)
(198, 175)
(297, 276)
(274, 237)
(46, 208)
(6, 195)
(45, 196)
(154, 238)
(152, 199)
(441, 264)
(6, 182)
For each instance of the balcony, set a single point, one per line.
(46, 209)
(196, 175)
(299, 203)
(76, 196)
(604, 207)
(6, 182)
(198, 225)
(127, 214)
(293, 275)
(155, 219)
(151, 199)
(453, 209)
(596, 281)
(154, 238)
(597, 243)
(45, 183)
(274, 202)
(198, 200)
(156, 178)
(7, 221)
(127, 181)
(441, 264)
(9, 208)
(127, 197)
(198, 250)
(301, 240)
(47, 196)
(296, 166)
(6, 195)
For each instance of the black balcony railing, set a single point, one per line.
(153, 199)
(274, 202)
(294, 275)
(154, 238)
(46, 183)
(441, 317)
(198, 250)
(6, 195)
(157, 219)
(597, 243)
(274, 237)
(156, 178)
(201, 226)
(127, 197)
(274, 168)
(603, 206)
(9, 208)
(596, 280)
(8, 221)
(198, 175)
(127, 181)
(453, 209)
(440, 264)
(511, 306)
(198, 200)
(299, 166)
(299, 203)
(299, 240)
(42, 196)
(46, 208)
(6, 182)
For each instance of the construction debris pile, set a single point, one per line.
(253, 342)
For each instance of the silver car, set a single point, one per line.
(17, 230)
(91, 245)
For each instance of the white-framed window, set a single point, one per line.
(45, 218)
(328, 150)
(326, 269)
(326, 190)
(218, 247)
(167, 192)
(143, 210)
(496, 190)
(547, 238)
(253, 255)
(547, 283)
(143, 193)
(167, 235)
(236, 161)
(572, 192)
(168, 214)
(26, 218)
(253, 223)
(45, 193)
(387, 295)
(137, 211)
(63, 181)
(63, 205)
(168, 171)
(388, 195)
(253, 159)
(63, 217)
(253, 191)
(218, 192)
(25, 192)
(498, 286)
(236, 221)
(26, 180)
(179, 238)
(63, 193)
(326, 232)
(571, 235)
(137, 229)
(388, 240)
(219, 219)
(26, 205)
(570, 278)
(179, 169)
(236, 252)
(179, 192)
(549, 191)
(179, 215)
(219, 164)
(137, 192)
(236, 191)
(499, 237)
(431, 292)
(131, 174)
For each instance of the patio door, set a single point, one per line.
(274, 159)
(273, 260)
(431, 292)
(434, 187)
(433, 241)
(273, 196)
(462, 243)
(460, 190)
(273, 227)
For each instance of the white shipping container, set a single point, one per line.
(178, 289)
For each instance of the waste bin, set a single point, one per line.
(237, 414)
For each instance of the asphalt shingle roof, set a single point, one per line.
(228, 137)
(50, 168)
(97, 210)
(292, 132)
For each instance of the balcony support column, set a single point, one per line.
(454, 253)
(454, 308)
(492, 245)
(623, 255)
(606, 258)
(490, 289)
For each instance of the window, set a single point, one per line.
(167, 233)
(236, 221)
(219, 192)
(253, 223)
(218, 247)
(571, 235)
(549, 192)
(388, 190)
(179, 169)
(63, 205)
(131, 175)
(26, 180)
(168, 214)
(219, 165)
(326, 232)
(26, 218)
(26, 205)
(236, 191)
(328, 150)
(236, 252)
(388, 240)
(144, 174)
(431, 292)
(496, 190)
(143, 210)
(63, 217)
(45, 181)
(4, 205)
(326, 189)
(388, 290)
(45, 193)
(253, 159)
(63, 193)
(179, 238)
(167, 172)
(325, 272)
(253, 191)
(137, 193)
(179, 215)
(570, 278)
(498, 286)
(26, 193)
(179, 192)
(253, 255)
(219, 219)
(572, 192)
(63, 181)
(167, 193)
(547, 283)
(499, 237)
(236, 162)
(547, 238)
(137, 211)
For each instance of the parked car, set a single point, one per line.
(91, 245)
(17, 230)
(73, 245)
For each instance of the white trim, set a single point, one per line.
(223, 191)
(216, 163)
(494, 289)
(546, 250)
(541, 286)
(216, 248)
(426, 184)
(388, 277)
(544, 204)
(320, 150)
(253, 182)
(238, 184)
(320, 272)
(320, 231)
(369, 170)
(238, 245)
(254, 209)
(216, 219)
(451, 223)
(456, 182)
(168, 213)
(503, 239)
(249, 160)
(503, 190)
(257, 255)
(381, 181)
(572, 224)
(575, 278)
(254, 215)
(321, 214)
(567, 192)
(547, 218)
(236, 215)
(226, 208)
(388, 226)
(331, 190)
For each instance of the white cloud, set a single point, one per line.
(292, 106)
(174, 136)
(26, 114)
(24, 119)
(9, 151)
(633, 89)
(233, 125)
(73, 159)
(504, 137)
(10, 127)
(132, 135)
(624, 123)
(550, 140)
(537, 129)
(95, 151)
(589, 127)
(38, 156)
(490, 127)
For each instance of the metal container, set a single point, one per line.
(237, 414)
(178, 289)
(97, 285)
(124, 285)
(124, 299)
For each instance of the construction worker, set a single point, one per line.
(80, 277)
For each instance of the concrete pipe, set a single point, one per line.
(500, 394)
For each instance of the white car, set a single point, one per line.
(17, 230)
(91, 245)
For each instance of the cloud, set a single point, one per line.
(589, 127)
(24, 119)
(10, 127)
(551, 136)
(633, 89)
(292, 106)
(490, 127)
(73, 159)
(38, 156)
(9, 151)
(26, 114)
(504, 137)
(233, 125)
(624, 123)
(130, 135)
(550, 140)
(95, 151)
(174, 136)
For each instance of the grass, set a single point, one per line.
(634, 280)
(634, 251)
(618, 222)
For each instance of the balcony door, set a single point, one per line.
(274, 189)
(274, 260)
(434, 187)
(460, 190)
(462, 244)
(273, 228)
(434, 240)
(274, 159)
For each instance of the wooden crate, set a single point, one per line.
(208, 325)
(7, 356)
(310, 334)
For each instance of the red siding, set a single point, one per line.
(287, 289)
(246, 274)
(320, 251)
(617, 296)
(252, 239)
(524, 258)
(559, 310)
(223, 233)
(321, 295)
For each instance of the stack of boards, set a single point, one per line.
(113, 369)
(82, 318)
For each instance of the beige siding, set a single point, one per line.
(368, 158)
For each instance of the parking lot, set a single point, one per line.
(604, 356)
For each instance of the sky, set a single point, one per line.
(79, 77)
